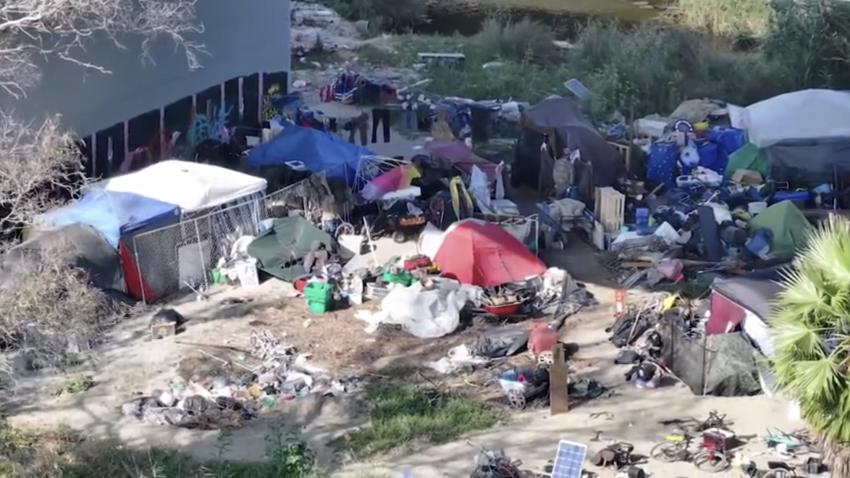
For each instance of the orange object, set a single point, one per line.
(504, 310)
(542, 339)
(619, 302)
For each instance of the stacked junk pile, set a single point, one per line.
(475, 260)
(716, 190)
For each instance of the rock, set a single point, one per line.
(362, 26)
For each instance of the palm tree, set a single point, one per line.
(811, 337)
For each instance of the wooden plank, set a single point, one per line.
(559, 400)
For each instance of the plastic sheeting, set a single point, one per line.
(307, 148)
(427, 313)
(113, 214)
(719, 365)
(798, 116)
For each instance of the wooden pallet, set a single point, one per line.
(610, 208)
(625, 152)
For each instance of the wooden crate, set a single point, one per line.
(610, 208)
(625, 152)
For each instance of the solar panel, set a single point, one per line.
(577, 88)
(569, 459)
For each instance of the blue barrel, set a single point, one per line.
(661, 163)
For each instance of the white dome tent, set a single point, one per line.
(799, 116)
(193, 187)
(217, 207)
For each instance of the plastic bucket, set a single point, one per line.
(757, 207)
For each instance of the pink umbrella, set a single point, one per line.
(397, 178)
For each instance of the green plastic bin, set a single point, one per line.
(402, 278)
(319, 297)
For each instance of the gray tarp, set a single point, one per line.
(756, 295)
(563, 118)
(86, 249)
(720, 365)
(812, 164)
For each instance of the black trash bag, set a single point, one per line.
(168, 316)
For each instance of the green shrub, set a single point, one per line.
(382, 14)
(524, 40)
(811, 42)
(722, 17)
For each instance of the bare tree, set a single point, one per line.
(40, 166)
(49, 307)
(64, 28)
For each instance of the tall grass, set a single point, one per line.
(650, 68)
(722, 17)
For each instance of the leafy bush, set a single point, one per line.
(722, 17)
(524, 40)
(811, 43)
(382, 14)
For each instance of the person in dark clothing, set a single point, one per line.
(359, 124)
(380, 115)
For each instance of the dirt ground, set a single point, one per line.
(132, 363)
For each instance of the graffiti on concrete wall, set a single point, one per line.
(210, 126)
(160, 145)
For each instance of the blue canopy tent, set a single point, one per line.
(302, 148)
(114, 214)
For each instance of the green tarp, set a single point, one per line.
(788, 225)
(280, 250)
(748, 157)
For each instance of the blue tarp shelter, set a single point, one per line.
(303, 148)
(114, 214)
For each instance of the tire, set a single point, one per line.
(344, 228)
(716, 465)
(667, 452)
(399, 237)
(781, 474)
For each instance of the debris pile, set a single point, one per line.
(222, 402)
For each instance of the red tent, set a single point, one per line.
(483, 254)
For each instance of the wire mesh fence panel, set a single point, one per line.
(169, 258)
(313, 197)
(183, 256)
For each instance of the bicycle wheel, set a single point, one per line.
(714, 463)
(781, 474)
(667, 452)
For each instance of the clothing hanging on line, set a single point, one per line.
(380, 115)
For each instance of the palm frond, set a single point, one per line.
(810, 330)
(828, 249)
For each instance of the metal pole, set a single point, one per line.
(201, 255)
(139, 270)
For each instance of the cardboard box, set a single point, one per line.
(747, 177)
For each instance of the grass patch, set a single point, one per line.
(723, 17)
(64, 453)
(76, 384)
(645, 69)
(400, 414)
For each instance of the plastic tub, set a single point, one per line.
(503, 310)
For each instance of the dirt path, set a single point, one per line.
(131, 364)
(533, 437)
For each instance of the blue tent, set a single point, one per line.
(308, 148)
(114, 214)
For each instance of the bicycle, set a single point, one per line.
(711, 454)
(780, 470)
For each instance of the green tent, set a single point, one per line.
(280, 250)
(748, 157)
(788, 225)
